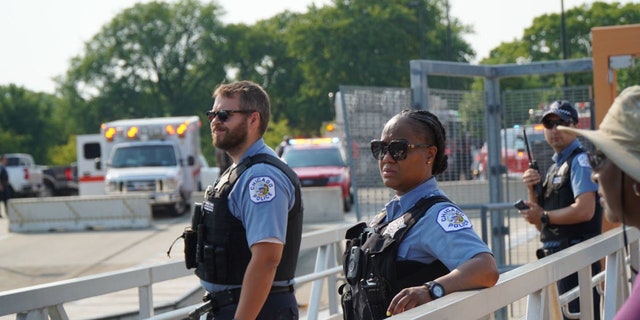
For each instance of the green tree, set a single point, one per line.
(542, 41)
(259, 53)
(364, 43)
(153, 59)
(29, 122)
(63, 154)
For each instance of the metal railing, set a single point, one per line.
(47, 301)
(534, 281)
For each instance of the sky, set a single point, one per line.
(39, 37)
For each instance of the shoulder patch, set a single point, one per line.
(262, 189)
(452, 219)
(583, 160)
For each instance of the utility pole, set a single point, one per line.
(419, 5)
(448, 46)
(564, 39)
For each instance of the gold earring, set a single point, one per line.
(635, 189)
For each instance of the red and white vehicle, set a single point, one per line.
(514, 153)
(156, 156)
(321, 162)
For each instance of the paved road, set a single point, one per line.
(30, 259)
(34, 258)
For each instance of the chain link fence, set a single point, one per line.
(363, 111)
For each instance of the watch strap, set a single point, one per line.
(436, 290)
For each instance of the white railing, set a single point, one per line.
(47, 301)
(534, 281)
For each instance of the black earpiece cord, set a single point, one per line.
(624, 227)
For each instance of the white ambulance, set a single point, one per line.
(158, 156)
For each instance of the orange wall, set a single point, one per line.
(610, 41)
(607, 42)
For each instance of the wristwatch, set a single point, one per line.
(436, 290)
(544, 218)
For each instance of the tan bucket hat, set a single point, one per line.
(618, 136)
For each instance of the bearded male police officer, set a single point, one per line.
(251, 221)
(566, 212)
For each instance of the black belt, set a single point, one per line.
(232, 296)
(220, 299)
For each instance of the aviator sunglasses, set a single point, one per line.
(223, 115)
(550, 124)
(596, 159)
(397, 148)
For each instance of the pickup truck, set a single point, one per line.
(208, 175)
(25, 176)
(60, 180)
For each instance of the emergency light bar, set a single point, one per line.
(314, 141)
(147, 132)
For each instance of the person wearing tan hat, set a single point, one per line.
(563, 205)
(616, 167)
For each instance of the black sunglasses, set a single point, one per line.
(596, 159)
(550, 124)
(397, 148)
(223, 115)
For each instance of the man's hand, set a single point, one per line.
(533, 214)
(408, 298)
(531, 177)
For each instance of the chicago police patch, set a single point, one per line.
(262, 189)
(583, 160)
(452, 219)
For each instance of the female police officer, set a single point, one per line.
(440, 253)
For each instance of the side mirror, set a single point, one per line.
(190, 161)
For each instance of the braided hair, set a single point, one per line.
(428, 125)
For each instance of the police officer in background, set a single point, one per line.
(5, 188)
(421, 246)
(249, 239)
(565, 211)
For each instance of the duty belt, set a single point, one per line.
(553, 246)
(220, 299)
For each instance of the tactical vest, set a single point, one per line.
(559, 195)
(374, 275)
(221, 254)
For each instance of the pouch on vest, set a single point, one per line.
(371, 266)
(190, 239)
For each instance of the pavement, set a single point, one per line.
(30, 259)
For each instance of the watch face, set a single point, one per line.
(437, 290)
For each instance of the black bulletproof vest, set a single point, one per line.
(370, 262)
(557, 193)
(222, 253)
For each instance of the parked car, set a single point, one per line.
(60, 180)
(515, 160)
(25, 176)
(208, 175)
(321, 162)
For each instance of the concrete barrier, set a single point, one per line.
(79, 213)
(322, 204)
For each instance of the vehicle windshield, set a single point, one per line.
(320, 157)
(13, 162)
(144, 156)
